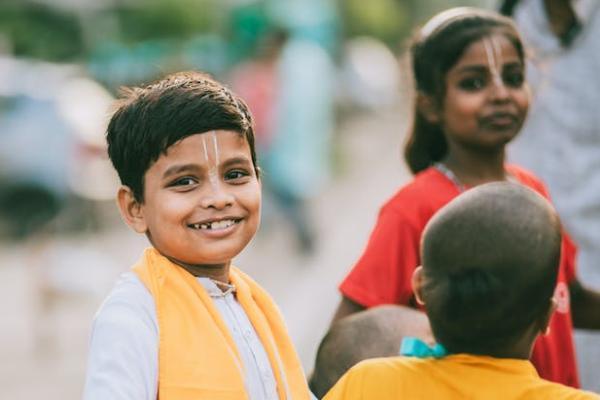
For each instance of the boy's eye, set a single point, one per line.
(236, 175)
(185, 181)
(472, 84)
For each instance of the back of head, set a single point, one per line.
(153, 117)
(490, 263)
(375, 332)
(435, 49)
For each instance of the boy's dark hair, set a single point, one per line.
(435, 49)
(490, 265)
(151, 118)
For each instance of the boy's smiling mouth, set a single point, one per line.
(216, 224)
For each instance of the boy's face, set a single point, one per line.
(202, 199)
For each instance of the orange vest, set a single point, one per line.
(197, 356)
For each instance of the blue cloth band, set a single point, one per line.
(413, 347)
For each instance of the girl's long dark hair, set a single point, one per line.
(436, 48)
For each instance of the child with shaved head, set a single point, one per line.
(375, 332)
(490, 262)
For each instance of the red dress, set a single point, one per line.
(383, 273)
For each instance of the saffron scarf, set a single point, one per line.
(197, 355)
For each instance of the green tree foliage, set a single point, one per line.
(39, 31)
(157, 19)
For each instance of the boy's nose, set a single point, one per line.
(216, 197)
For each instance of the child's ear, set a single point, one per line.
(417, 284)
(428, 107)
(547, 317)
(131, 210)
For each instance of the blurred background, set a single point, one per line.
(327, 84)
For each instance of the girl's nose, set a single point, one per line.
(499, 90)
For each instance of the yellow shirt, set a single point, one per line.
(459, 376)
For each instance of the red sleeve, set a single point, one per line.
(569, 254)
(383, 273)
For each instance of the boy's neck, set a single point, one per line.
(476, 168)
(216, 272)
(519, 349)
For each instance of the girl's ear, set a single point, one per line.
(547, 317)
(131, 210)
(428, 107)
(417, 284)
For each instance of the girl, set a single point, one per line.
(471, 100)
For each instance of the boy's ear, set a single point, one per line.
(417, 284)
(547, 317)
(428, 107)
(131, 210)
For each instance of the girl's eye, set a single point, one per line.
(472, 84)
(236, 175)
(513, 79)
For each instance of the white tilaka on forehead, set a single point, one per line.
(493, 52)
(213, 170)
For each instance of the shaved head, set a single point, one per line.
(490, 263)
(375, 332)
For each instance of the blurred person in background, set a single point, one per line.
(561, 136)
(297, 162)
(288, 78)
(256, 81)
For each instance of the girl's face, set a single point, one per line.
(486, 97)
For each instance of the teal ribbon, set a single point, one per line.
(414, 347)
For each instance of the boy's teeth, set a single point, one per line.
(216, 225)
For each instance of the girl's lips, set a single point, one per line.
(500, 121)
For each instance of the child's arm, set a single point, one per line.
(123, 355)
(585, 306)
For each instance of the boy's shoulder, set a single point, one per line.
(414, 377)
(392, 370)
(128, 301)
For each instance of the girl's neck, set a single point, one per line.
(475, 168)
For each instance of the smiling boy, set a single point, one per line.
(185, 323)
